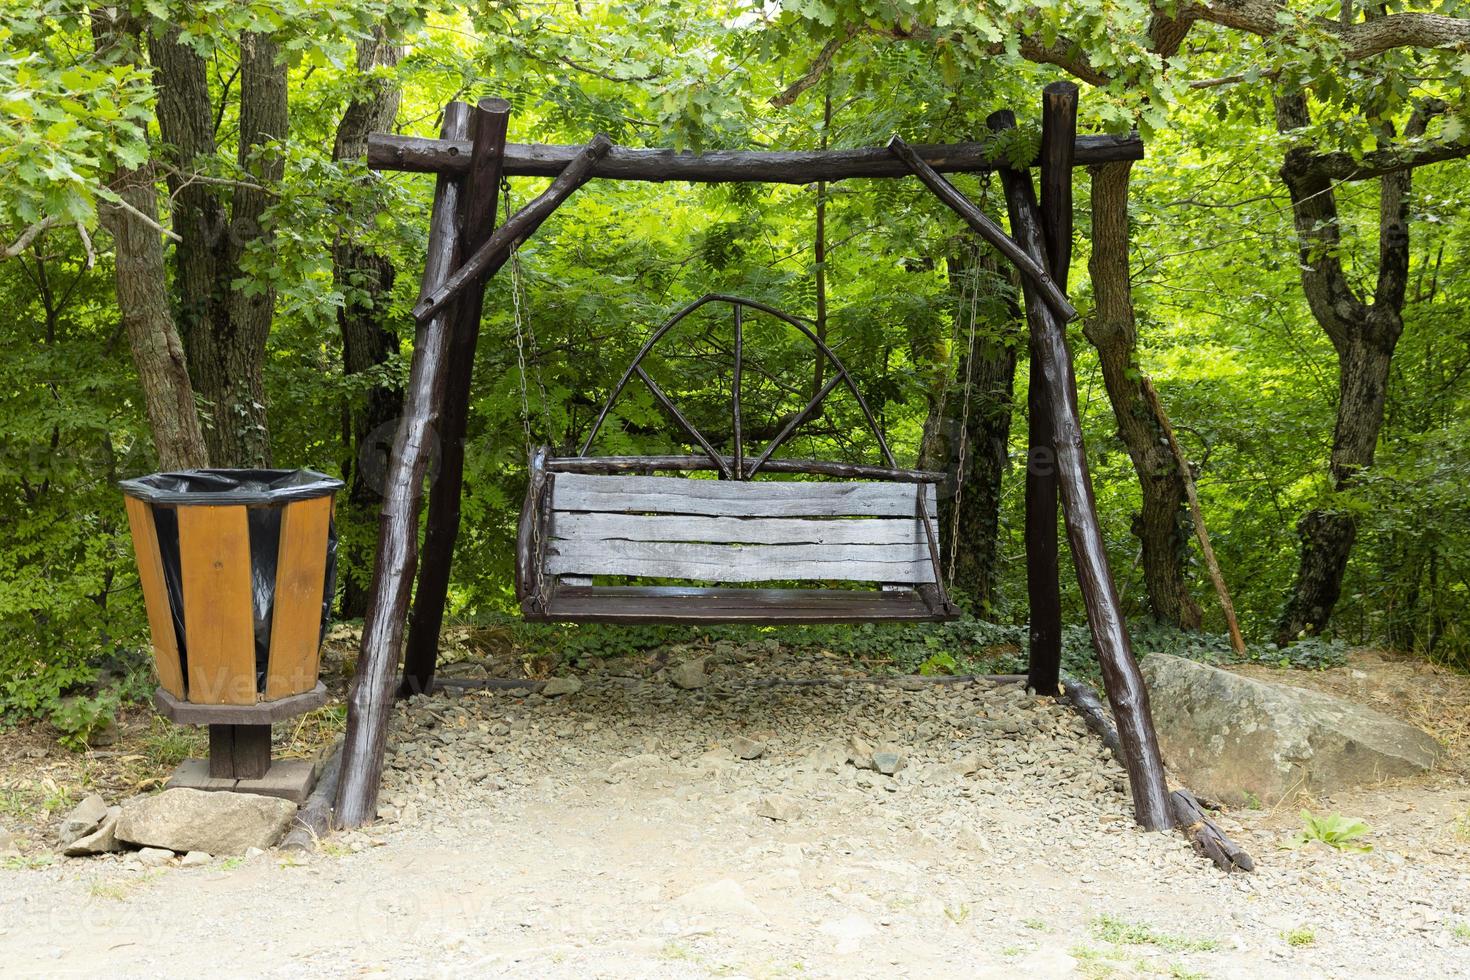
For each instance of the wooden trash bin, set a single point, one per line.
(237, 569)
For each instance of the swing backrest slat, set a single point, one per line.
(723, 531)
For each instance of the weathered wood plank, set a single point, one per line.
(723, 498)
(155, 596)
(738, 530)
(296, 620)
(679, 604)
(741, 563)
(219, 619)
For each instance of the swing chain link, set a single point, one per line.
(525, 334)
(962, 460)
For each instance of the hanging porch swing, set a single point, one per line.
(707, 542)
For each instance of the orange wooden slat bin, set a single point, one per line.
(237, 569)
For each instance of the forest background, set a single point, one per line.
(199, 269)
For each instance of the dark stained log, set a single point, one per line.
(814, 467)
(488, 124)
(371, 698)
(418, 154)
(1125, 687)
(796, 422)
(1202, 833)
(736, 446)
(694, 605)
(485, 261)
(1085, 700)
(528, 547)
(668, 405)
(1206, 836)
(315, 818)
(1043, 577)
(1032, 270)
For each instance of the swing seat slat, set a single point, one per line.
(578, 526)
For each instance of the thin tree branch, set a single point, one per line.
(28, 236)
(817, 69)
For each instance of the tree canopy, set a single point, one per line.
(200, 268)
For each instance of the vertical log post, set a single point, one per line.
(1043, 585)
(371, 698)
(488, 123)
(1125, 688)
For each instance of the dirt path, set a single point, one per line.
(615, 832)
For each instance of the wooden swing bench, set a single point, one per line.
(589, 517)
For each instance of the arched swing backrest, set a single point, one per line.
(581, 522)
(738, 466)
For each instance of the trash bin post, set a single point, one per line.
(239, 751)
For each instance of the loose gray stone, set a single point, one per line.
(557, 686)
(193, 820)
(155, 857)
(103, 840)
(689, 674)
(777, 806)
(1235, 738)
(84, 818)
(747, 748)
(859, 753)
(888, 763)
(196, 859)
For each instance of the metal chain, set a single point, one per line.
(525, 333)
(959, 490)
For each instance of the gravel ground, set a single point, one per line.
(619, 830)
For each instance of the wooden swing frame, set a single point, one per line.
(465, 249)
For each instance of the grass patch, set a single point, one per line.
(1300, 936)
(1121, 932)
(28, 862)
(1461, 931)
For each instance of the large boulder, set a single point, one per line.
(195, 820)
(1242, 740)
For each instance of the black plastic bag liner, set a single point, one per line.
(264, 492)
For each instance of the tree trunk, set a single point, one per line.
(142, 288)
(1162, 523)
(1364, 336)
(365, 279)
(224, 328)
(158, 353)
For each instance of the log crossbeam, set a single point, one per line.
(452, 156)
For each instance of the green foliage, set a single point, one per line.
(1336, 831)
(1224, 332)
(78, 718)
